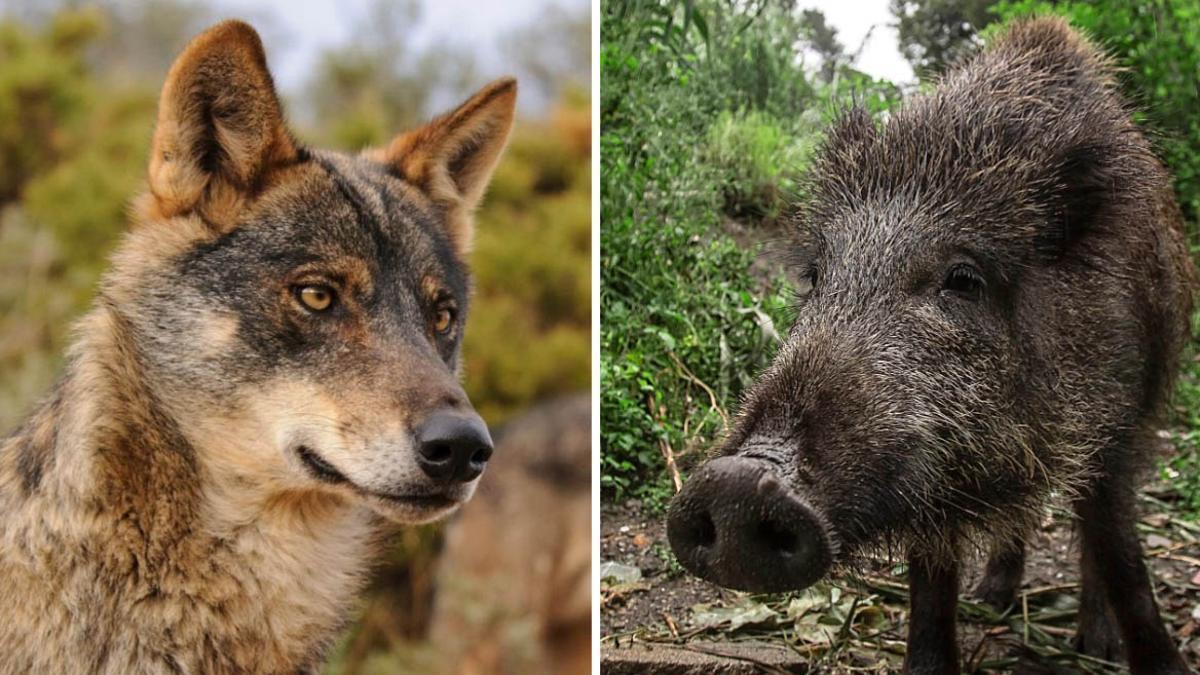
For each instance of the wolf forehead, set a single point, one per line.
(343, 216)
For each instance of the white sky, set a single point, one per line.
(853, 18)
(479, 25)
(308, 26)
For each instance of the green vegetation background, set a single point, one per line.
(709, 113)
(78, 93)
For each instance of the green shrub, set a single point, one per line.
(759, 160)
(530, 336)
(43, 93)
(681, 315)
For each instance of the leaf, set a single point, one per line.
(805, 603)
(619, 573)
(745, 612)
(701, 25)
(765, 324)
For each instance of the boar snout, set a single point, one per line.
(738, 525)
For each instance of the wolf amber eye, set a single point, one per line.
(443, 321)
(315, 297)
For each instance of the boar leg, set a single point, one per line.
(1002, 576)
(1113, 568)
(1097, 634)
(933, 600)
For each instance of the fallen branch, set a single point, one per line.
(663, 446)
(712, 396)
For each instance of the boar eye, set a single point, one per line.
(963, 279)
(806, 283)
(315, 297)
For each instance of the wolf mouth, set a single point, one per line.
(320, 469)
(421, 501)
(324, 471)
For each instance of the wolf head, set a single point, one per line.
(300, 313)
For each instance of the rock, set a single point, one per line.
(619, 573)
(699, 658)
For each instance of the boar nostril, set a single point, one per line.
(738, 524)
(777, 537)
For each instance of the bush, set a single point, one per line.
(43, 90)
(759, 161)
(530, 338)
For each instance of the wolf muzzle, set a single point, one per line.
(453, 446)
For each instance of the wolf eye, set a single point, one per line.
(963, 279)
(315, 297)
(443, 320)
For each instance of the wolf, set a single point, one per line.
(268, 376)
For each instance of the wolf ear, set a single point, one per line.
(220, 128)
(452, 158)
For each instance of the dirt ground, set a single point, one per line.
(858, 624)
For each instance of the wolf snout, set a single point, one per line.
(736, 524)
(453, 446)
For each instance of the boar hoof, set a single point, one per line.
(1099, 639)
(996, 591)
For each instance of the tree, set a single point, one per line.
(933, 33)
(822, 39)
(553, 67)
(378, 85)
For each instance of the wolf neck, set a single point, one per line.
(127, 486)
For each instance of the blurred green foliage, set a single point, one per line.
(759, 160)
(42, 91)
(529, 334)
(935, 33)
(703, 130)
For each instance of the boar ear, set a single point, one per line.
(451, 158)
(1084, 180)
(220, 130)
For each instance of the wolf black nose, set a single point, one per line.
(453, 446)
(737, 525)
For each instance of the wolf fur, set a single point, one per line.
(202, 490)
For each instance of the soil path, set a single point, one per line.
(667, 619)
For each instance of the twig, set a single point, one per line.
(712, 396)
(664, 447)
(1181, 558)
(671, 625)
(1025, 616)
